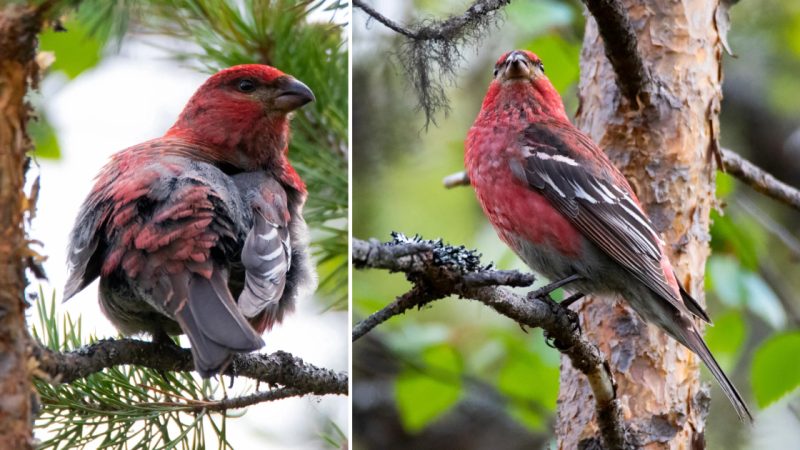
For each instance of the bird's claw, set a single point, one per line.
(161, 338)
(560, 309)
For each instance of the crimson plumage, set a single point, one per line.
(556, 199)
(201, 231)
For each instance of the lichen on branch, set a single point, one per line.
(437, 271)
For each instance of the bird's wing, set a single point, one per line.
(267, 251)
(599, 205)
(170, 226)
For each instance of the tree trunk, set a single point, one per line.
(18, 29)
(665, 152)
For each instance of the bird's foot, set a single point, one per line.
(567, 302)
(160, 337)
(548, 289)
(561, 310)
(163, 340)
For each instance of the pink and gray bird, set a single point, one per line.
(556, 199)
(201, 231)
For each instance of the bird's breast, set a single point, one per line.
(514, 208)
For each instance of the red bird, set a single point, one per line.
(201, 231)
(556, 199)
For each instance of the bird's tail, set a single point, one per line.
(214, 325)
(692, 339)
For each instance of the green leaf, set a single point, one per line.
(738, 287)
(531, 385)
(725, 337)
(75, 49)
(45, 139)
(776, 368)
(725, 184)
(423, 396)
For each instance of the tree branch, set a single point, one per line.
(438, 271)
(759, 179)
(236, 402)
(279, 368)
(431, 52)
(450, 28)
(621, 48)
(388, 23)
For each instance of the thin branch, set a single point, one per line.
(432, 51)
(759, 179)
(449, 28)
(621, 48)
(456, 179)
(243, 401)
(388, 23)
(279, 368)
(438, 271)
(415, 297)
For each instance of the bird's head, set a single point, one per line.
(243, 113)
(519, 79)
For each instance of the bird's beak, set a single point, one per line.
(292, 94)
(517, 66)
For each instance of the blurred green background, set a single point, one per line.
(456, 374)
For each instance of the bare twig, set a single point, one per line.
(621, 48)
(438, 271)
(279, 368)
(450, 28)
(390, 24)
(415, 297)
(759, 179)
(432, 51)
(456, 179)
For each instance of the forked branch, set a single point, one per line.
(438, 271)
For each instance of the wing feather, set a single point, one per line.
(267, 251)
(606, 214)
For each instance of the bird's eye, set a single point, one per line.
(541, 65)
(246, 85)
(494, 74)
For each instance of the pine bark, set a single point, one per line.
(666, 152)
(18, 29)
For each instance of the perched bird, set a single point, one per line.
(201, 231)
(556, 199)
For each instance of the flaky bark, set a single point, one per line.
(18, 29)
(665, 147)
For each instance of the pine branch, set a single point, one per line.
(237, 402)
(279, 368)
(438, 271)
